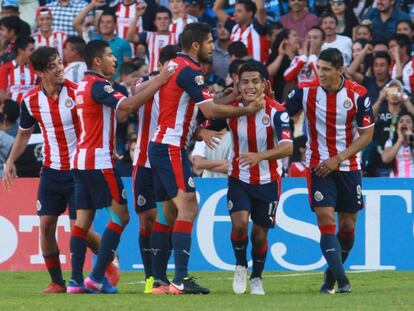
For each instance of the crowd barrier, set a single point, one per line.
(384, 233)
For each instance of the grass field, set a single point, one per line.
(388, 290)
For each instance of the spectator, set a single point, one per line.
(197, 8)
(221, 55)
(155, 41)
(400, 51)
(406, 27)
(329, 23)
(11, 8)
(129, 75)
(233, 78)
(380, 47)
(9, 111)
(180, 18)
(64, 12)
(141, 66)
(361, 60)
(381, 66)
(9, 31)
(274, 29)
(18, 76)
(345, 16)
(363, 32)
(399, 149)
(245, 27)
(303, 67)
(299, 18)
(237, 50)
(73, 56)
(6, 140)
(361, 7)
(383, 19)
(46, 36)
(284, 49)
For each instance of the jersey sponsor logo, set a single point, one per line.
(367, 103)
(284, 117)
(230, 204)
(108, 88)
(286, 134)
(207, 94)
(347, 104)
(69, 103)
(38, 205)
(199, 80)
(141, 200)
(266, 120)
(366, 121)
(291, 94)
(191, 182)
(318, 196)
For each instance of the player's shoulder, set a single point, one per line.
(33, 92)
(355, 87)
(70, 84)
(275, 105)
(309, 84)
(183, 61)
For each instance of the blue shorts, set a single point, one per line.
(56, 191)
(259, 200)
(144, 196)
(171, 169)
(95, 189)
(341, 190)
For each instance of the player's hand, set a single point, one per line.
(116, 156)
(268, 90)
(9, 173)
(249, 159)
(211, 138)
(256, 105)
(98, 3)
(166, 73)
(327, 166)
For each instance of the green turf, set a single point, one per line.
(284, 291)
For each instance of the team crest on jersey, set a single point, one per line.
(191, 182)
(347, 104)
(141, 200)
(266, 120)
(318, 196)
(409, 71)
(229, 204)
(108, 88)
(69, 103)
(38, 205)
(199, 80)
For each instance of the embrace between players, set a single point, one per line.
(78, 124)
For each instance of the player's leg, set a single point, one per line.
(259, 252)
(346, 232)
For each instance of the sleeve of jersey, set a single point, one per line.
(104, 93)
(281, 126)
(192, 82)
(364, 115)
(292, 72)
(26, 119)
(294, 102)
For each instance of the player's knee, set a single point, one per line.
(347, 228)
(325, 216)
(48, 230)
(146, 224)
(240, 229)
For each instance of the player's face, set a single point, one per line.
(54, 72)
(241, 16)
(106, 25)
(380, 69)
(329, 26)
(250, 86)
(107, 62)
(205, 53)
(44, 22)
(162, 22)
(328, 74)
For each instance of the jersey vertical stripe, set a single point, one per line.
(55, 40)
(156, 42)
(17, 80)
(257, 46)
(125, 14)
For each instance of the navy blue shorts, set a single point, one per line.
(171, 169)
(55, 193)
(259, 200)
(341, 190)
(144, 196)
(95, 189)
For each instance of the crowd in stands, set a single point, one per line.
(375, 37)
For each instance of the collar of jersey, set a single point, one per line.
(180, 54)
(90, 72)
(340, 85)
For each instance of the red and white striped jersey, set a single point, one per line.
(257, 133)
(404, 161)
(179, 100)
(155, 43)
(302, 69)
(58, 121)
(297, 169)
(407, 75)
(333, 120)
(254, 38)
(55, 40)
(75, 71)
(96, 101)
(177, 25)
(147, 124)
(17, 80)
(124, 15)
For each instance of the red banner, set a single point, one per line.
(19, 229)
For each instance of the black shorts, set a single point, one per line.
(144, 196)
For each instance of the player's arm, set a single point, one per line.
(365, 121)
(212, 110)
(294, 103)
(3, 83)
(218, 8)
(132, 34)
(297, 64)
(261, 15)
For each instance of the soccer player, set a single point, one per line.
(259, 142)
(97, 184)
(51, 104)
(46, 36)
(245, 27)
(180, 99)
(340, 124)
(154, 40)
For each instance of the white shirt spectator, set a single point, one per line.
(344, 44)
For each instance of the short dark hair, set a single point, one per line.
(365, 26)
(382, 54)
(168, 52)
(43, 56)
(249, 5)
(128, 68)
(328, 14)
(406, 21)
(332, 56)
(11, 110)
(403, 41)
(253, 65)
(94, 48)
(107, 13)
(163, 9)
(235, 65)
(194, 32)
(274, 26)
(77, 44)
(22, 43)
(11, 23)
(320, 29)
(238, 49)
